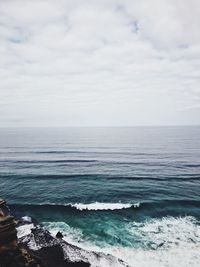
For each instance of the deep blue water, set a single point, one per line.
(50, 173)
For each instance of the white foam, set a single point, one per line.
(27, 219)
(168, 232)
(24, 230)
(104, 206)
(70, 234)
(188, 256)
(180, 239)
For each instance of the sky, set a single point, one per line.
(99, 62)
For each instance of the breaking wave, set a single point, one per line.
(24, 230)
(95, 206)
(166, 232)
(170, 241)
(104, 206)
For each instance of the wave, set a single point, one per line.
(24, 230)
(170, 241)
(182, 236)
(145, 209)
(49, 161)
(166, 232)
(102, 161)
(95, 206)
(149, 177)
(158, 233)
(104, 206)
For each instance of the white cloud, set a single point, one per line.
(99, 62)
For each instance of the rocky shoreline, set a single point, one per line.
(34, 246)
(50, 255)
(35, 249)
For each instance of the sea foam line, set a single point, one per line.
(104, 206)
(91, 206)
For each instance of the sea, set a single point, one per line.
(132, 192)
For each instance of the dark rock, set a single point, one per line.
(50, 250)
(59, 253)
(53, 256)
(19, 258)
(59, 235)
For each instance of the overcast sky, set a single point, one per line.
(99, 62)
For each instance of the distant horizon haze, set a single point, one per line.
(101, 126)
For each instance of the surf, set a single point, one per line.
(104, 206)
(169, 241)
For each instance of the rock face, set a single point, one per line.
(19, 257)
(53, 256)
(42, 245)
(8, 232)
(11, 254)
(59, 235)
(19, 253)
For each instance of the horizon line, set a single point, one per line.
(103, 126)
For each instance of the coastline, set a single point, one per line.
(35, 246)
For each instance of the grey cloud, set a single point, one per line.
(99, 62)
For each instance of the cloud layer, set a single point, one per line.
(99, 62)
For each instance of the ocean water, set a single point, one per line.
(131, 192)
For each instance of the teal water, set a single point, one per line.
(85, 182)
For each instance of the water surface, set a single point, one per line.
(85, 182)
